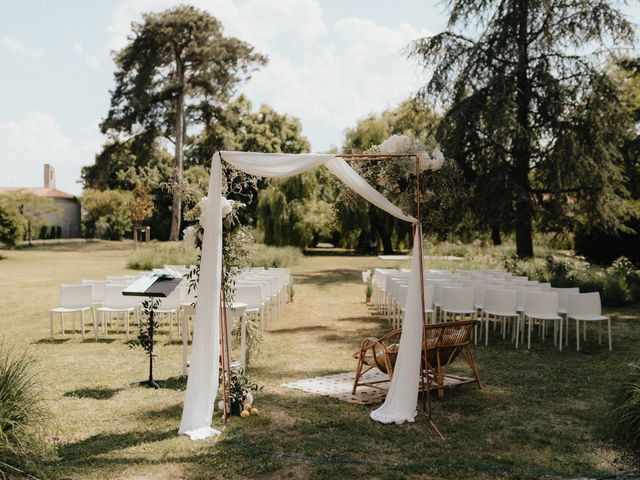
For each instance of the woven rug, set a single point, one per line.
(339, 386)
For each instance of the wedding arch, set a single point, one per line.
(400, 404)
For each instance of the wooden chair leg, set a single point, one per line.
(468, 355)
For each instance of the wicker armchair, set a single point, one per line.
(380, 353)
(442, 345)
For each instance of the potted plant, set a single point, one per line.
(367, 279)
(241, 390)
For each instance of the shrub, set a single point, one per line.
(157, 256)
(626, 415)
(108, 214)
(619, 284)
(265, 256)
(21, 410)
(11, 225)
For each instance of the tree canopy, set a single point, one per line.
(177, 73)
(530, 115)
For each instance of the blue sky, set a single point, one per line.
(331, 63)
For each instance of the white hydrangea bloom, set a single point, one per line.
(396, 144)
(366, 275)
(424, 160)
(438, 160)
(189, 235)
(226, 206)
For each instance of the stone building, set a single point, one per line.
(66, 217)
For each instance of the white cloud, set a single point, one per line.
(27, 144)
(20, 48)
(255, 21)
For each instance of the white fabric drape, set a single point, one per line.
(401, 401)
(202, 383)
(204, 367)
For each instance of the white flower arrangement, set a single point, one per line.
(366, 275)
(190, 235)
(399, 144)
(396, 144)
(226, 207)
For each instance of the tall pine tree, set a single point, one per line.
(530, 112)
(177, 73)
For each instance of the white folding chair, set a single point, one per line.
(75, 298)
(115, 303)
(98, 290)
(586, 307)
(499, 305)
(170, 307)
(563, 292)
(542, 306)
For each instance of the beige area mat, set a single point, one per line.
(339, 386)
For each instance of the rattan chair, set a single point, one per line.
(443, 343)
(380, 353)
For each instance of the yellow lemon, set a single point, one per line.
(244, 414)
(247, 406)
(254, 411)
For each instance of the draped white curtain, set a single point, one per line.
(400, 404)
(202, 383)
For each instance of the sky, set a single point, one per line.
(331, 62)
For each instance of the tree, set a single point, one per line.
(530, 118)
(297, 210)
(12, 225)
(125, 164)
(177, 73)
(108, 214)
(35, 211)
(361, 224)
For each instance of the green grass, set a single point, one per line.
(540, 410)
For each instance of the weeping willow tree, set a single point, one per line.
(530, 113)
(298, 210)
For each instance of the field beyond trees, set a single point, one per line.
(541, 412)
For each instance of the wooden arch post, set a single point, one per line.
(425, 381)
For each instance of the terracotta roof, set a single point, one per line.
(38, 191)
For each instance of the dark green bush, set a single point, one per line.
(604, 247)
(22, 411)
(618, 284)
(11, 225)
(626, 414)
(616, 292)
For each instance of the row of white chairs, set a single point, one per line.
(264, 291)
(258, 292)
(514, 303)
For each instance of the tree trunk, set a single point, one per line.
(176, 211)
(522, 141)
(387, 244)
(496, 238)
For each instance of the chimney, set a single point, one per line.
(49, 176)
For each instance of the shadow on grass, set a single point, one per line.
(106, 341)
(50, 341)
(326, 277)
(105, 443)
(95, 393)
(173, 383)
(311, 328)
(173, 412)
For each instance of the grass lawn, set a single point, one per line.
(541, 412)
